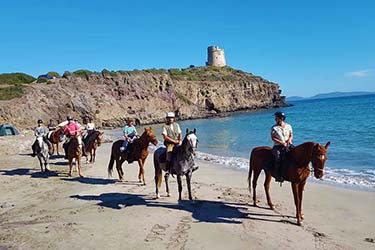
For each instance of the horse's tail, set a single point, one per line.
(250, 172)
(158, 170)
(110, 165)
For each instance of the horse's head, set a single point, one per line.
(192, 138)
(318, 160)
(39, 139)
(150, 136)
(99, 137)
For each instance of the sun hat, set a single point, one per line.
(170, 115)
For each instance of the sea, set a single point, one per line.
(347, 122)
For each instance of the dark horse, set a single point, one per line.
(75, 152)
(182, 163)
(296, 169)
(92, 142)
(56, 137)
(139, 153)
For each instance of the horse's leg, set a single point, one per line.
(301, 187)
(46, 163)
(140, 170)
(118, 168)
(40, 162)
(166, 177)
(188, 182)
(267, 182)
(57, 148)
(93, 154)
(255, 180)
(158, 179)
(179, 187)
(141, 176)
(79, 166)
(70, 166)
(295, 189)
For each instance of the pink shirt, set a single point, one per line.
(71, 128)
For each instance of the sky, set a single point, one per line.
(307, 47)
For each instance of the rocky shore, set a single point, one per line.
(111, 97)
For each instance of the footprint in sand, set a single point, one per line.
(156, 233)
(179, 238)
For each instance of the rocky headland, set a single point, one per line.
(113, 96)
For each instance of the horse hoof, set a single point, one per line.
(81, 176)
(168, 194)
(157, 196)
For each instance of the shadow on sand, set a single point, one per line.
(201, 210)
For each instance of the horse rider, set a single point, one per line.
(171, 132)
(282, 136)
(40, 130)
(51, 125)
(90, 128)
(130, 133)
(70, 130)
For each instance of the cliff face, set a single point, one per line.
(111, 97)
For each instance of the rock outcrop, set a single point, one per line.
(112, 97)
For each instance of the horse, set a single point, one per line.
(42, 153)
(55, 137)
(295, 169)
(75, 152)
(182, 163)
(139, 153)
(92, 142)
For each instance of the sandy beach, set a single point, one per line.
(54, 211)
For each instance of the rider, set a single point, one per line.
(41, 130)
(90, 128)
(71, 129)
(282, 136)
(172, 136)
(130, 133)
(51, 125)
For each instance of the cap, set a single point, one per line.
(170, 115)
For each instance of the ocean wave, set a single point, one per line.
(349, 178)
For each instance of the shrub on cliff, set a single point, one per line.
(54, 74)
(84, 73)
(15, 78)
(11, 92)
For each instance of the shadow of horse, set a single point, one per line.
(29, 172)
(88, 180)
(202, 210)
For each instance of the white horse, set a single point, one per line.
(42, 153)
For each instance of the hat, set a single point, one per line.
(40, 121)
(280, 115)
(170, 115)
(69, 118)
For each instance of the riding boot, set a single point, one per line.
(84, 150)
(278, 172)
(49, 144)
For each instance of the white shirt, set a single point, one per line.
(281, 133)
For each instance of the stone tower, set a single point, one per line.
(215, 57)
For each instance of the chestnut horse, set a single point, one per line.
(92, 142)
(295, 169)
(139, 153)
(55, 137)
(75, 152)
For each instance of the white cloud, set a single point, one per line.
(360, 73)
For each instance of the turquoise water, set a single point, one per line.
(347, 122)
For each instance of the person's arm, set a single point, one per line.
(170, 140)
(275, 139)
(289, 142)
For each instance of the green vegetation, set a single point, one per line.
(11, 92)
(54, 74)
(15, 78)
(42, 80)
(84, 73)
(106, 72)
(183, 98)
(155, 71)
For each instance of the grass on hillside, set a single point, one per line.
(11, 92)
(15, 78)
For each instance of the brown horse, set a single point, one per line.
(295, 166)
(139, 153)
(92, 142)
(55, 138)
(75, 152)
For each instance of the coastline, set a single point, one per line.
(54, 211)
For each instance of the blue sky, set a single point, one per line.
(307, 47)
